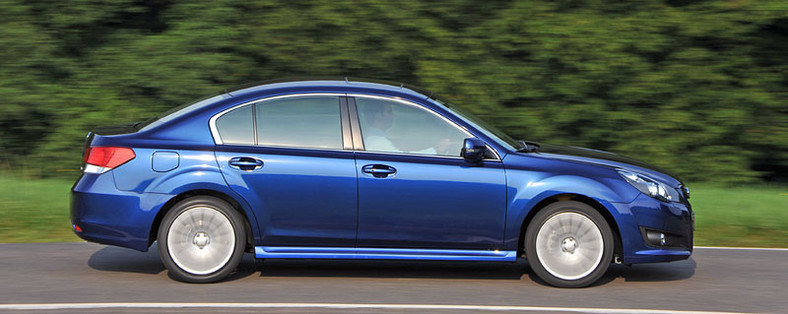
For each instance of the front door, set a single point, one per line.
(415, 190)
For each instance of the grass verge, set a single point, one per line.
(37, 211)
(750, 217)
(34, 210)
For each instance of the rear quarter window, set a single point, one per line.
(236, 126)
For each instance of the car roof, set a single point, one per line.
(345, 83)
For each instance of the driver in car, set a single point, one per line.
(379, 118)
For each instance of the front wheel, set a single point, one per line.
(569, 244)
(201, 239)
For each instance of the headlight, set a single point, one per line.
(650, 186)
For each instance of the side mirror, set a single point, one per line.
(473, 150)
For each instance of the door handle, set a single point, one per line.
(246, 163)
(379, 171)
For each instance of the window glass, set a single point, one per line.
(494, 133)
(235, 127)
(390, 126)
(178, 111)
(309, 121)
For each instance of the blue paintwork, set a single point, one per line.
(378, 253)
(431, 202)
(655, 256)
(302, 200)
(107, 215)
(300, 197)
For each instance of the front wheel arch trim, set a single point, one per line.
(618, 248)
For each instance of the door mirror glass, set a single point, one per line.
(473, 150)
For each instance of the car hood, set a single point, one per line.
(603, 158)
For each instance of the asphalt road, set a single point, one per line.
(712, 280)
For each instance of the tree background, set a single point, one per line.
(696, 87)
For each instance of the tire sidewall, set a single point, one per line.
(237, 222)
(568, 207)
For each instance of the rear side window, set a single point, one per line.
(236, 126)
(309, 121)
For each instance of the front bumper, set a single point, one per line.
(673, 221)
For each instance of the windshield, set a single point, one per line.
(497, 135)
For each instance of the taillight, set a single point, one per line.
(100, 159)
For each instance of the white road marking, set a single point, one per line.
(741, 248)
(82, 306)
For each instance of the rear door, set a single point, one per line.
(290, 158)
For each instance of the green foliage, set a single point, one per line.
(695, 87)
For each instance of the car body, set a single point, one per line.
(343, 169)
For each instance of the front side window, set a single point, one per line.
(308, 121)
(390, 126)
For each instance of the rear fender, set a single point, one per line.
(198, 177)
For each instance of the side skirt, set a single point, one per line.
(384, 253)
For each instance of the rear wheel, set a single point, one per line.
(569, 244)
(201, 239)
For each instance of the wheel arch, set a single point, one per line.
(617, 248)
(154, 230)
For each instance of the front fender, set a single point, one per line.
(527, 189)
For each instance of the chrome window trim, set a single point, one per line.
(218, 140)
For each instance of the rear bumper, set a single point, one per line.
(109, 216)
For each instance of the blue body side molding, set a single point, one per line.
(380, 253)
(653, 256)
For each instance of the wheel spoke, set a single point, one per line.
(201, 240)
(575, 251)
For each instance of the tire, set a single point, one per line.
(569, 244)
(201, 239)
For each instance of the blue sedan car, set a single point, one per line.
(344, 169)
